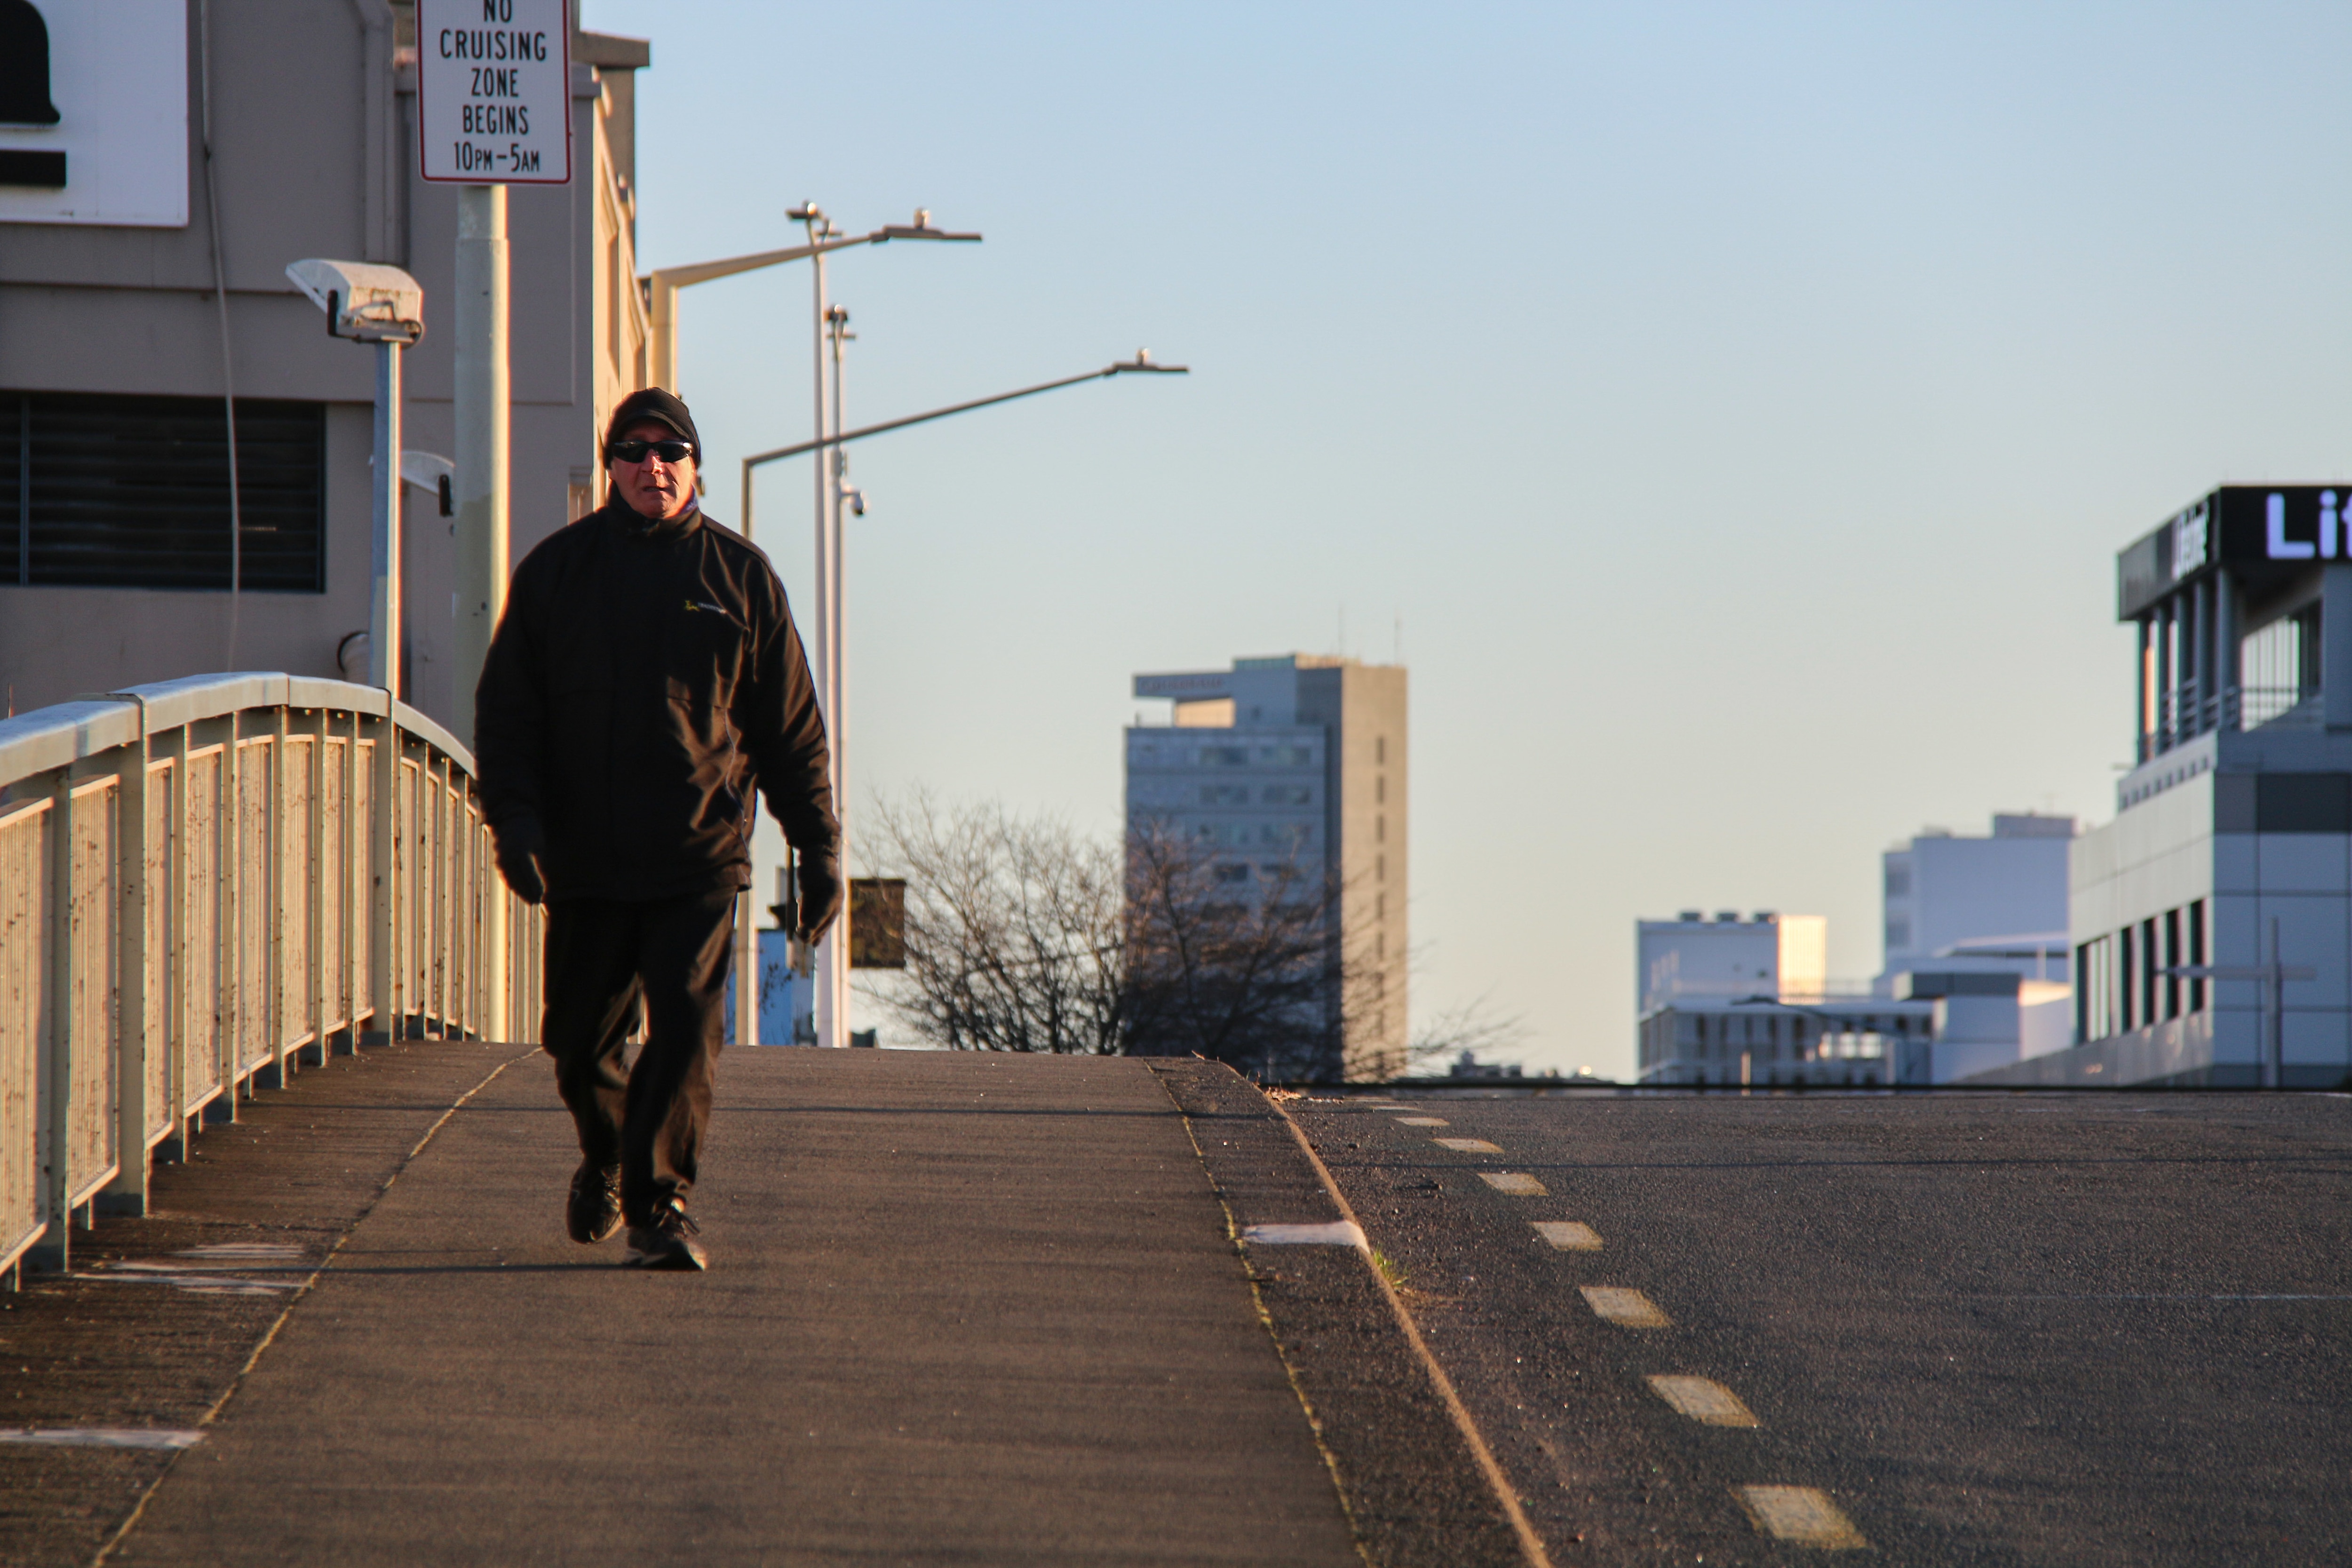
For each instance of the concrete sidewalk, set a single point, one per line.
(965, 1309)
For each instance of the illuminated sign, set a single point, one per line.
(2258, 532)
(494, 91)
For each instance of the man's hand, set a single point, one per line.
(820, 897)
(521, 848)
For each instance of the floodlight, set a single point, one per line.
(371, 304)
(364, 301)
(1145, 363)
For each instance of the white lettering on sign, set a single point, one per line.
(494, 91)
(2191, 535)
(2278, 545)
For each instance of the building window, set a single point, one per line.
(2083, 993)
(1380, 751)
(1381, 789)
(106, 491)
(1898, 882)
(1380, 830)
(1224, 794)
(2278, 666)
(1233, 873)
(1898, 935)
(2172, 958)
(2151, 960)
(2126, 956)
(2197, 953)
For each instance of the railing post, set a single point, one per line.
(174, 894)
(351, 896)
(314, 977)
(55, 1250)
(383, 906)
(127, 1193)
(490, 967)
(274, 889)
(444, 890)
(228, 865)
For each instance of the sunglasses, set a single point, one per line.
(668, 451)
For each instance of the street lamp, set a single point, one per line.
(830, 959)
(661, 287)
(384, 306)
(1142, 363)
(662, 283)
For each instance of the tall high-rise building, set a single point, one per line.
(1288, 768)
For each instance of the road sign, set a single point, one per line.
(494, 91)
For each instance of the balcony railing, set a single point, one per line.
(2182, 716)
(203, 883)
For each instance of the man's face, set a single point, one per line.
(653, 486)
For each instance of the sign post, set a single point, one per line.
(493, 109)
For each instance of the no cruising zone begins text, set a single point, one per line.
(494, 91)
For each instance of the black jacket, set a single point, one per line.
(644, 678)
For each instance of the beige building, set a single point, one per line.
(1290, 765)
(118, 338)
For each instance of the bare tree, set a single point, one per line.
(1253, 974)
(1023, 934)
(1014, 938)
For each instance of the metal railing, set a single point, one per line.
(205, 881)
(2182, 716)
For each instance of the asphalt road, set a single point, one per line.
(1969, 1329)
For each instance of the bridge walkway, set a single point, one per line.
(969, 1310)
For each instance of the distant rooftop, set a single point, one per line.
(1195, 684)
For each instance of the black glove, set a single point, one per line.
(820, 897)
(522, 849)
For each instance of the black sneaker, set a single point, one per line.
(594, 1211)
(665, 1242)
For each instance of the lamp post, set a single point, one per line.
(661, 287)
(662, 283)
(830, 959)
(372, 303)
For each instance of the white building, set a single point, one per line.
(1979, 924)
(1727, 1001)
(1690, 958)
(2231, 852)
(1969, 904)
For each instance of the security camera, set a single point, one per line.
(363, 299)
(856, 500)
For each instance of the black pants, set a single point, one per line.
(603, 956)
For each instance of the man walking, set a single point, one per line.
(644, 678)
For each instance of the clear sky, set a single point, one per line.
(1737, 407)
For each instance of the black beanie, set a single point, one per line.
(662, 408)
